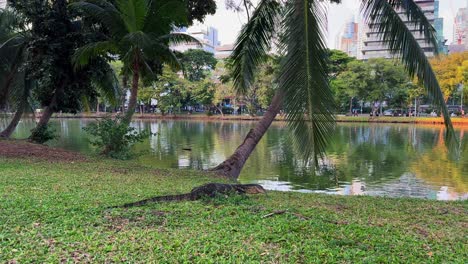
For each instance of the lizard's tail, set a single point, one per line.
(167, 198)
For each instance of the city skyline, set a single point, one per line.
(229, 23)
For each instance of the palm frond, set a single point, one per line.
(134, 13)
(178, 38)
(163, 15)
(253, 43)
(89, 51)
(108, 85)
(403, 44)
(165, 55)
(11, 58)
(9, 22)
(418, 19)
(138, 39)
(308, 100)
(104, 12)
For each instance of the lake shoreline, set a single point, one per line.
(457, 121)
(278, 227)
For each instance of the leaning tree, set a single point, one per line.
(304, 92)
(15, 86)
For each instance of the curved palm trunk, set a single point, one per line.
(6, 133)
(233, 165)
(133, 95)
(47, 113)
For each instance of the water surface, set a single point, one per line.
(395, 160)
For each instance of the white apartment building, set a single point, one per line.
(207, 36)
(372, 46)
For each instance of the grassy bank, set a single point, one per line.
(56, 212)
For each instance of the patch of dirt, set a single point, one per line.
(26, 150)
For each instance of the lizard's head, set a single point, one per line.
(253, 189)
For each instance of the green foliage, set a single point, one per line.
(114, 138)
(171, 91)
(376, 80)
(337, 62)
(54, 38)
(42, 134)
(198, 9)
(203, 92)
(197, 64)
(253, 44)
(265, 83)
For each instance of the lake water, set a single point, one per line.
(393, 160)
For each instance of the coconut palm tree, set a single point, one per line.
(139, 34)
(304, 92)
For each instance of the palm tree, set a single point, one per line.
(14, 83)
(139, 34)
(304, 90)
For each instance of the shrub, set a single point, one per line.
(114, 138)
(42, 134)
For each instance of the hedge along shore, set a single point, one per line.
(457, 121)
(56, 211)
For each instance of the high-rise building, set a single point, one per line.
(460, 27)
(374, 47)
(347, 40)
(439, 27)
(207, 36)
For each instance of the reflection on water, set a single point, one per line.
(377, 159)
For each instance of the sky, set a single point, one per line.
(229, 23)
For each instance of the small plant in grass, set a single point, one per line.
(114, 138)
(42, 134)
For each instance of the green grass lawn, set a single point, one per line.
(56, 212)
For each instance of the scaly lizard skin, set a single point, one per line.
(207, 190)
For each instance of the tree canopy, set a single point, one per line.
(197, 64)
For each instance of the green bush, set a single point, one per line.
(115, 138)
(42, 134)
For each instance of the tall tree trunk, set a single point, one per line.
(351, 106)
(125, 86)
(233, 165)
(220, 110)
(6, 133)
(97, 105)
(133, 94)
